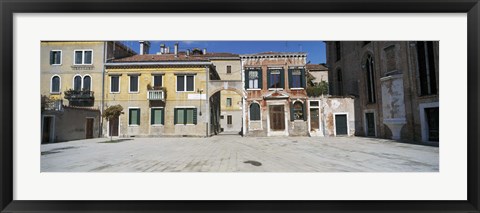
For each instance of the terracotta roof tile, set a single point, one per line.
(182, 56)
(320, 67)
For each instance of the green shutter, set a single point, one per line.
(138, 116)
(282, 78)
(152, 116)
(175, 116)
(292, 117)
(260, 79)
(304, 110)
(290, 78)
(195, 116)
(52, 59)
(163, 116)
(246, 79)
(268, 79)
(303, 78)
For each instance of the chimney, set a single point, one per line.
(144, 47)
(176, 49)
(162, 48)
(204, 51)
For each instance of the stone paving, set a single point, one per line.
(231, 153)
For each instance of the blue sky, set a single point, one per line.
(315, 49)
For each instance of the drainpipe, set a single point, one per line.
(207, 110)
(105, 47)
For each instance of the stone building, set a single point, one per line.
(395, 85)
(71, 74)
(229, 68)
(164, 94)
(276, 100)
(319, 72)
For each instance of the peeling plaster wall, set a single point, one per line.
(330, 106)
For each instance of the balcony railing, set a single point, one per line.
(79, 97)
(156, 95)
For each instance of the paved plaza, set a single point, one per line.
(231, 153)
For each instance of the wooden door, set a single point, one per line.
(433, 123)
(89, 128)
(113, 126)
(47, 129)
(314, 119)
(341, 124)
(370, 123)
(277, 117)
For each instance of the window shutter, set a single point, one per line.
(138, 117)
(194, 116)
(290, 78)
(175, 116)
(303, 79)
(246, 79)
(304, 110)
(52, 59)
(152, 116)
(268, 79)
(260, 78)
(163, 116)
(282, 78)
(292, 116)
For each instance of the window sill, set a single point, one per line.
(185, 124)
(114, 92)
(133, 125)
(275, 89)
(299, 88)
(56, 64)
(137, 92)
(253, 89)
(157, 125)
(255, 121)
(55, 93)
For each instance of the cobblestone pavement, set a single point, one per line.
(230, 153)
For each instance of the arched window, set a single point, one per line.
(254, 112)
(339, 82)
(77, 83)
(87, 80)
(426, 67)
(298, 112)
(369, 68)
(55, 84)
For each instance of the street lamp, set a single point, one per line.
(200, 91)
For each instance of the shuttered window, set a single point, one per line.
(87, 82)
(55, 57)
(157, 116)
(77, 83)
(114, 83)
(185, 116)
(185, 83)
(157, 81)
(254, 112)
(134, 116)
(253, 79)
(134, 83)
(55, 85)
(83, 57)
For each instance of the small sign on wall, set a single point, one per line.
(197, 97)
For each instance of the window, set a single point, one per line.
(229, 120)
(87, 83)
(254, 112)
(229, 102)
(134, 116)
(426, 68)
(83, 57)
(297, 78)
(55, 57)
(157, 116)
(185, 83)
(339, 82)
(77, 83)
(275, 78)
(55, 85)
(338, 53)
(133, 83)
(185, 115)
(253, 79)
(370, 79)
(114, 83)
(298, 111)
(229, 69)
(157, 81)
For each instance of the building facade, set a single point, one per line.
(164, 94)
(276, 101)
(318, 72)
(395, 85)
(72, 75)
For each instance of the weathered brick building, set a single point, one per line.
(276, 100)
(395, 84)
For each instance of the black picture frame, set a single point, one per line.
(10, 7)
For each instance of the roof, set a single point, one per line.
(182, 56)
(319, 67)
(273, 54)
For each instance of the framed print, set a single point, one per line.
(239, 106)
